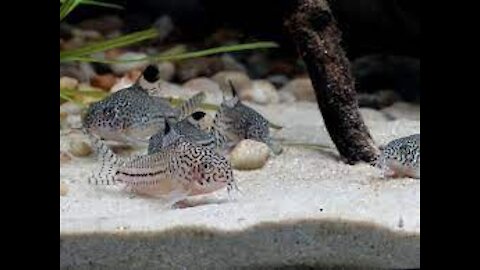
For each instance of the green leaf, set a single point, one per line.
(181, 56)
(65, 96)
(89, 93)
(177, 49)
(222, 49)
(122, 41)
(68, 97)
(67, 7)
(98, 3)
(77, 96)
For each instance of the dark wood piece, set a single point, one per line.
(314, 31)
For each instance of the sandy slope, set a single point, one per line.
(301, 185)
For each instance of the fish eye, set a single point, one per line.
(198, 115)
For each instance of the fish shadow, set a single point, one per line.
(190, 202)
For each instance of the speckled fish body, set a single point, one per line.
(190, 129)
(132, 116)
(235, 121)
(401, 157)
(180, 169)
(128, 115)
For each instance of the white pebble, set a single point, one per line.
(68, 83)
(261, 92)
(249, 155)
(301, 88)
(121, 68)
(80, 148)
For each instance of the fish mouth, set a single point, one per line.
(401, 170)
(212, 187)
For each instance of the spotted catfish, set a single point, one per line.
(191, 128)
(180, 169)
(401, 157)
(235, 121)
(132, 116)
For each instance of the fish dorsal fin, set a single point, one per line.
(234, 100)
(191, 104)
(150, 75)
(168, 127)
(232, 88)
(170, 134)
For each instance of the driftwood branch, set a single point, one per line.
(314, 31)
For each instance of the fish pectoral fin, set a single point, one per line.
(134, 140)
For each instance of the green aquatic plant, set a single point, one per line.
(84, 54)
(69, 6)
(79, 55)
